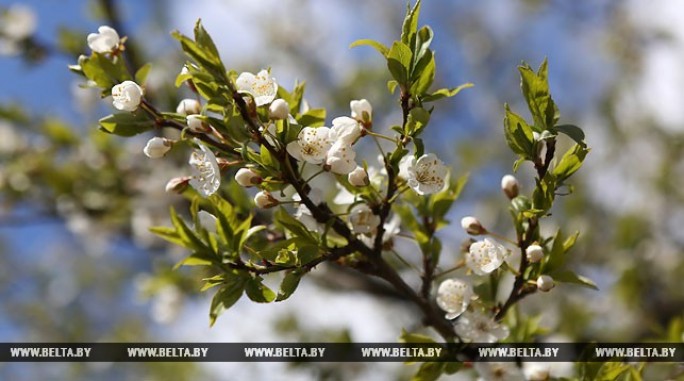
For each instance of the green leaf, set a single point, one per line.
(426, 75)
(410, 25)
(567, 276)
(312, 118)
(307, 253)
(225, 297)
(285, 220)
(399, 62)
(392, 86)
(518, 134)
(258, 292)
(535, 89)
(205, 43)
(126, 124)
(407, 337)
(167, 233)
(544, 193)
(141, 74)
(445, 93)
(423, 41)
(429, 371)
(104, 72)
(418, 119)
(570, 162)
(289, 284)
(572, 131)
(382, 49)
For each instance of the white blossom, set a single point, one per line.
(485, 256)
(127, 96)
(312, 145)
(358, 177)
(477, 327)
(279, 109)
(426, 175)
(18, 23)
(499, 371)
(510, 186)
(261, 86)
(196, 123)
(453, 296)
(207, 221)
(105, 41)
(189, 107)
(361, 110)
(206, 177)
(344, 130)
(545, 283)
(265, 200)
(157, 147)
(246, 177)
(534, 253)
(472, 225)
(363, 220)
(340, 158)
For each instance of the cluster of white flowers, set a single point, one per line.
(332, 147)
(425, 175)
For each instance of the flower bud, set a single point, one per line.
(472, 226)
(157, 147)
(510, 186)
(105, 41)
(177, 184)
(196, 123)
(189, 107)
(361, 110)
(265, 200)
(545, 283)
(534, 253)
(247, 178)
(279, 109)
(127, 96)
(358, 177)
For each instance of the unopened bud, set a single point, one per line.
(196, 123)
(178, 184)
(545, 283)
(247, 177)
(472, 226)
(265, 200)
(279, 109)
(358, 177)
(534, 253)
(510, 186)
(189, 107)
(157, 147)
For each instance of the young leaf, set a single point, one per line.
(570, 162)
(289, 284)
(126, 124)
(259, 293)
(425, 70)
(567, 276)
(399, 62)
(407, 337)
(382, 49)
(312, 118)
(445, 93)
(410, 25)
(535, 89)
(141, 74)
(572, 131)
(518, 134)
(225, 297)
